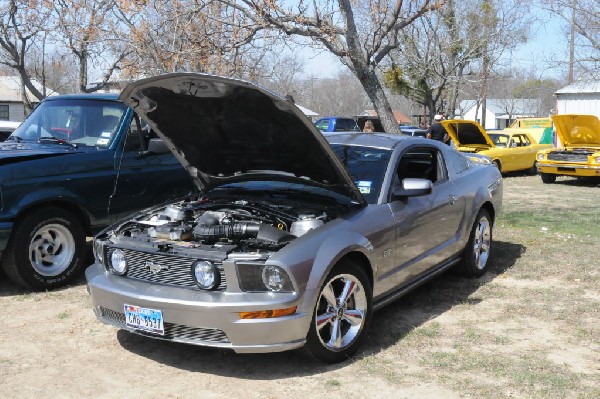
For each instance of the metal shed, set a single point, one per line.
(582, 97)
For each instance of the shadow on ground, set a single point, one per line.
(389, 326)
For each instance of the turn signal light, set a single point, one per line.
(268, 314)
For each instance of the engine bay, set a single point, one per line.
(233, 226)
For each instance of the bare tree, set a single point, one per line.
(205, 36)
(21, 25)
(582, 19)
(360, 34)
(86, 28)
(437, 55)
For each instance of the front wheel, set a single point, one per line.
(46, 249)
(342, 314)
(478, 248)
(547, 178)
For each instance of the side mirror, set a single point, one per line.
(156, 146)
(413, 188)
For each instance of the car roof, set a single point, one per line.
(84, 96)
(377, 140)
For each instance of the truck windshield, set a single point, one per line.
(82, 122)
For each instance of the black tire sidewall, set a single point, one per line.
(314, 345)
(17, 252)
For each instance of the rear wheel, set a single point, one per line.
(548, 178)
(46, 249)
(477, 251)
(342, 314)
(498, 165)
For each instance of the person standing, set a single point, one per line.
(437, 131)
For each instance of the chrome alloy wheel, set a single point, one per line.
(482, 242)
(341, 312)
(51, 249)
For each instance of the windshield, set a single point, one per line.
(499, 140)
(82, 122)
(367, 167)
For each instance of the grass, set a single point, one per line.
(529, 328)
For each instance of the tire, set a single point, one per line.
(547, 178)
(351, 320)
(533, 170)
(46, 249)
(498, 165)
(476, 253)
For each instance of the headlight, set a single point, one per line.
(540, 157)
(261, 278)
(206, 275)
(597, 159)
(118, 262)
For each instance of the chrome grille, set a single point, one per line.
(179, 271)
(173, 331)
(567, 157)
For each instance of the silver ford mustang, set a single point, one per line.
(296, 238)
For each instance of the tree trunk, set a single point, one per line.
(83, 57)
(374, 90)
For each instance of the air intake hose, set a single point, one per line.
(260, 231)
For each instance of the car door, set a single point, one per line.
(426, 226)
(143, 178)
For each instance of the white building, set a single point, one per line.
(500, 113)
(11, 99)
(582, 97)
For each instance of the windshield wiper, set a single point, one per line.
(18, 139)
(52, 139)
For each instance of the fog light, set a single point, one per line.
(273, 278)
(206, 275)
(118, 262)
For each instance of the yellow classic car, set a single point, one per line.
(510, 151)
(580, 152)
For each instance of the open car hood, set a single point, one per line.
(227, 130)
(467, 133)
(577, 130)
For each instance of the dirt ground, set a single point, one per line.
(529, 328)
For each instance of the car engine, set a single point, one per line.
(240, 226)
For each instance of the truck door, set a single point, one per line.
(144, 179)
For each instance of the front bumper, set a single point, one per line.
(201, 317)
(568, 169)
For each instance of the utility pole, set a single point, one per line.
(571, 77)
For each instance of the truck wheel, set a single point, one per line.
(547, 178)
(478, 248)
(533, 170)
(342, 314)
(46, 249)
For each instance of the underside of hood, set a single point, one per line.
(226, 130)
(467, 133)
(577, 130)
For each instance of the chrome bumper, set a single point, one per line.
(201, 317)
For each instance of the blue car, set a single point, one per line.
(336, 124)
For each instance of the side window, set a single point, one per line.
(422, 163)
(323, 124)
(525, 141)
(341, 125)
(134, 139)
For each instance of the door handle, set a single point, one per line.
(451, 199)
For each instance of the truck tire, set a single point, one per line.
(46, 249)
(547, 178)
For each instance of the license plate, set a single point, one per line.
(144, 319)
